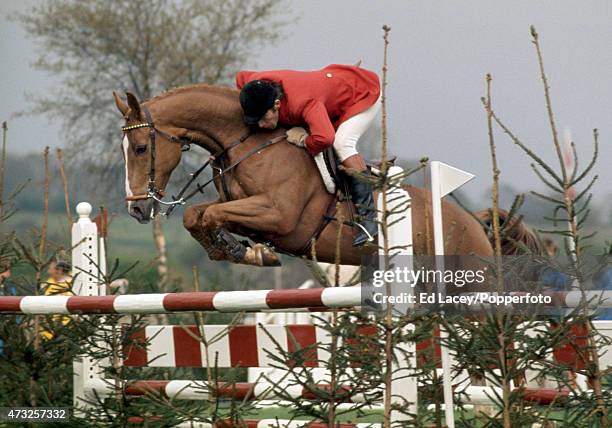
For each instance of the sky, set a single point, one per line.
(439, 54)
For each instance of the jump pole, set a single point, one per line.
(263, 423)
(444, 180)
(315, 299)
(202, 301)
(200, 390)
(256, 391)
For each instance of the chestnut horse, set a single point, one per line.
(275, 196)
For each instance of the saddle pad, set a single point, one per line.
(330, 186)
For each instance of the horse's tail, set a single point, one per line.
(516, 238)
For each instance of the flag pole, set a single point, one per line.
(444, 180)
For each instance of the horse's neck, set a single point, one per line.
(211, 117)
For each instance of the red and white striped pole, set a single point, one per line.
(204, 301)
(199, 390)
(263, 423)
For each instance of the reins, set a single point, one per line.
(181, 200)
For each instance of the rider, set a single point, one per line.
(336, 104)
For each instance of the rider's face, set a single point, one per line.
(270, 119)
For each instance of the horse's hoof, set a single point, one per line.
(261, 255)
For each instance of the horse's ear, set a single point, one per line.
(123, 108)
(133, 103)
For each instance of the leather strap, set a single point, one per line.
(326, 218)
(152, 133)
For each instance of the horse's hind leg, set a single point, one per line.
(219, 243)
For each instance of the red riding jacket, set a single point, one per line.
(320, 99)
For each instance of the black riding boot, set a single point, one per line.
(363, 198)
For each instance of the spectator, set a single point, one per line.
(6, 288)
(59, 283)
(559, 281)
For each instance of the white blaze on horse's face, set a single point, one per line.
(141, 208)
(128, 191)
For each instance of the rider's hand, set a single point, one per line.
(297, 136)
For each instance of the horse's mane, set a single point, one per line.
(222, 90)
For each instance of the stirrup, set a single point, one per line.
(364, 230)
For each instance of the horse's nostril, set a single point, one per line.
(142, 211)
(136, 210)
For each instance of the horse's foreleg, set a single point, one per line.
(192, 221)
(207, 222)
(258, 213)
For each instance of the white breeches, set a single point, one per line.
(350, 131)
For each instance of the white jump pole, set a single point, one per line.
(444, 180)
(403, 387)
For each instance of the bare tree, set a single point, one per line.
(97, 46)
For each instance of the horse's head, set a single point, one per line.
(151, 151)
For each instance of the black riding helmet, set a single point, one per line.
(256, 98)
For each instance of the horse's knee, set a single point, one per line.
(192, 218)
(210, 219)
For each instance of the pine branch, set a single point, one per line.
(586, 189)
(593, 159)
(551, 117)
(547, 198)
(527, 150)
(545, 180)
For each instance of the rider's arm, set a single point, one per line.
(322, 131)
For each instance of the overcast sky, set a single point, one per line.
(439, 54)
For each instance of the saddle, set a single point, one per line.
(328, 164)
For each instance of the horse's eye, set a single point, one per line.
(141, 149)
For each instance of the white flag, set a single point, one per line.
(450, 178)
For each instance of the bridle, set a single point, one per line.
(152, 190)
(157, 194)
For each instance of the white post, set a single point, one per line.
(444, 179)
(403, 386)
(86, 282)
(85, 260)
